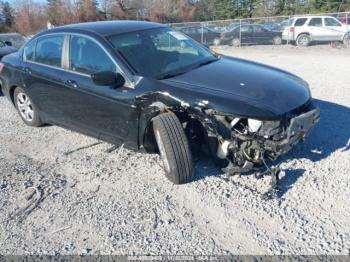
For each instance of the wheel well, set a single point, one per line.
(305, 33)
(12, 92)
(149, 141)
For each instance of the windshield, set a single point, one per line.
(17, 40)
(160, 53)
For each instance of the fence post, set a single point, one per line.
(347, 29)
(288, 30)
(202, 38)
(240, 32)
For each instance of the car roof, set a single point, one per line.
(105, 28)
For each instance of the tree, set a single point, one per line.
(6, 16)
(61, 12)
(30, 17)
(87, 10)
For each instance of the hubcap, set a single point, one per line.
(25, 107)
(304, 40)
(162, 152)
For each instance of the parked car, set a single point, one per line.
(16, 39)
(6, 48)
(202, 35)
(345, 21)
(277, 26)
(110, 80)
(251, 34)
(307, 29)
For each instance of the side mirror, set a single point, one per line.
(9, 43)
(108, 78)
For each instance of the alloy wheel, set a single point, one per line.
(25, 107)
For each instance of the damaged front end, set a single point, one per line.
(246, 143)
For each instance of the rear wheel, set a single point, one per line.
(173, 148)
(303, 40)
(26, 109)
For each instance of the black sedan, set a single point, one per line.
(251, 34)
(202, 35)
(151, 88)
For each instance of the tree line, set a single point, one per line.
(29, 16)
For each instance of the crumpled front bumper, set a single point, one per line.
(299, 127)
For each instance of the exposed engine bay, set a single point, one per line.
(245, 143)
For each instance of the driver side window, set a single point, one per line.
(87, 57)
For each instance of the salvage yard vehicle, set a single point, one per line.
(121, 82)
(250, 34)
(304, 30)
(202, 34)
(6, 48)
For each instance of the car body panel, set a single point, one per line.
(228, 81)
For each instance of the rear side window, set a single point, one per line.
(88, 57)
(29, 51)
(48, 50)
(300, 21)
(331, 22)
(315, 22)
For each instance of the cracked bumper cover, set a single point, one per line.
(298, 129)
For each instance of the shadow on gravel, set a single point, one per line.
(332, 133)
(286, 182)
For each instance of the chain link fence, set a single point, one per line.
(302, 30)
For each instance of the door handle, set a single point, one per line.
(27, 70)
(72, 83)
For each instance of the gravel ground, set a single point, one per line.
(97, 199)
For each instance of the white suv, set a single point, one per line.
(303, 30)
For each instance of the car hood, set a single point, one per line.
(7, 50)
(242, 87)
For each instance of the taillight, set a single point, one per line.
(1, 66)
(291, 29)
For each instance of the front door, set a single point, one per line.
(105, 110)
(334, 29)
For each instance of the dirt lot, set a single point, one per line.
(96, 199)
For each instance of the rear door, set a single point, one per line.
(317, 29)
(43, 75)
(247, 34)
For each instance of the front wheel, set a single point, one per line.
(26, 109)
(217, 41)
(236, 42)
(277, 40)
(173, 148)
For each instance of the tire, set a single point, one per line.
(173, 147)
(236, 42)
(277, 40)
(303, 40)
(346, 39)
(26, 109)
(216, 41)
